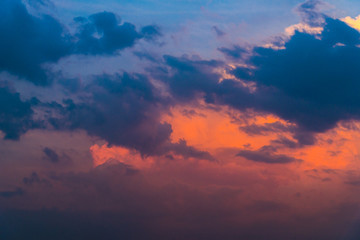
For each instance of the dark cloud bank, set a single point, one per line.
(312, 81)
(28, 42)
(122, 109)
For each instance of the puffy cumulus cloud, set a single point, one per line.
(125, 110)
(278, 98)
(29, 42)
(303, 27)
(299, 83)
(312, 81)
(189, 80)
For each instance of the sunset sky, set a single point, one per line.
(179, 120)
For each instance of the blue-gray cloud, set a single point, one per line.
(16, 115)
(28, 42)
(111, 35)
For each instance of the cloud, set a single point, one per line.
(189, 78)
(299, 82)
(54, 157)
(311, 82)
(16, 116)
(11, 194)
(30, 42)
(352, 22)
(266, 128)
(101, 33)
(51, 155)
(181, 148)
(151, 32)
(125, 110)
(236, 52)
(218, 32)
(35, 179)
(265, 156)
(310, 11)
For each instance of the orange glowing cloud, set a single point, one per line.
(218, 131)
(211, 129)
(104, 153)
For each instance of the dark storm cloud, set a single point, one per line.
(188, 78)
(313, 81)
(111, 36)
(28, 42)
(124, 110)
(16, 116)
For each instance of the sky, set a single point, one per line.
(181, 120)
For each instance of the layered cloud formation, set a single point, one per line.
(242, 145)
